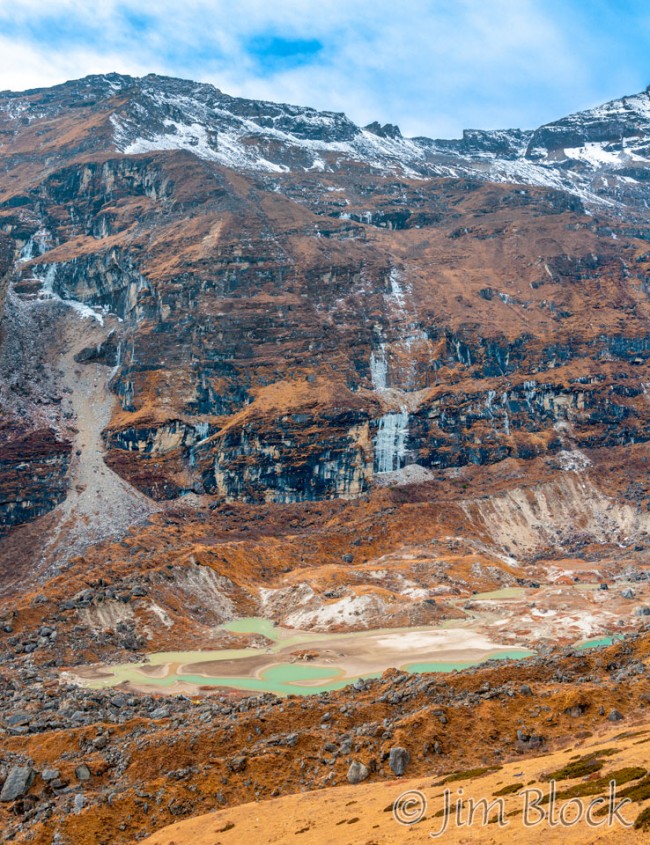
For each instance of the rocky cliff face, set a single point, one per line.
(34, 469)
(296, 307)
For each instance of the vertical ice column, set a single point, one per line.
(379, 368)
(390, 445)
(48, 279)
(396, 289)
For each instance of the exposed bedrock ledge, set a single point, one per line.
(7, 252)
(157, 440)
(158, 459)
(531, 419)
(294, 458)
(217, 363)
(412, 361)
(307, 456)
(108, 279)
(33, 475)
(95, 188)
(491, 357)
(106, 352)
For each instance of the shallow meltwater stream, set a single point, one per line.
(302, 662)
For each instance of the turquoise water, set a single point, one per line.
(253, 625)
(512, 654)
(290, 678)
(298, 678)
(282, 675)
(283, 679)
(598, 642)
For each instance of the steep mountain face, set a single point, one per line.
(299, 307)
(588, 153)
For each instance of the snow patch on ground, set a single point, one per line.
(350, 610)
(410, 474)
(573, 461)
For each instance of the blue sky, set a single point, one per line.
(433, 67)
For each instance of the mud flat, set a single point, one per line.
(302, 662)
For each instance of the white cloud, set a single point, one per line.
(26, 66)
(433, 67)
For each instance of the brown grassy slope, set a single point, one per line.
(351, 815)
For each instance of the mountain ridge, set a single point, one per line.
(583, 153)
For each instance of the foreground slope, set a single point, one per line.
(363, 813)
(152, 762)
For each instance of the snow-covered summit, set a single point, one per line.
(588, 154)
(164, 114)
(621, 124)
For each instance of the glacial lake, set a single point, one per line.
(303, 662)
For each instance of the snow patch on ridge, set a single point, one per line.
(600, 154)
(212, 132)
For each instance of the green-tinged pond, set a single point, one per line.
(284, 678)
(306, 662)
(444, 666)
(254, 625)
(598, 642)
(281, 679)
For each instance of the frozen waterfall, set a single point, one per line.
(390, 445)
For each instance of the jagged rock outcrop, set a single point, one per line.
(33, 470)
(292, 458)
